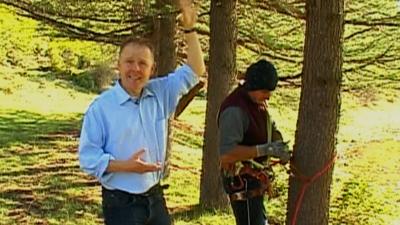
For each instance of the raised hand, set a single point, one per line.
(188, 16)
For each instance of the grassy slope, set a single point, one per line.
(41, 183)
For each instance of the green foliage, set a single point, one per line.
(66, 55)
(95, 79)
(370, 47)
(268, 34)
(23, 47)
(18, 40)
(371, 51)
(103, 74)
(84, 80)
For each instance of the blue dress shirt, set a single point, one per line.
(117, 125)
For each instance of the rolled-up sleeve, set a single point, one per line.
(92, 158)
(173, 86)
(179, 84)
(184, 79)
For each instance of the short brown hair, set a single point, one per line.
(136, 41)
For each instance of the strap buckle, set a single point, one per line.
(244, 195)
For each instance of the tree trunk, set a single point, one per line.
(165, 55)
(318, 118)
(165, 29)
(222, 69)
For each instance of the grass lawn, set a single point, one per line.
(40, 180)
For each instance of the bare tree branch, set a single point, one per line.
(278, 6)
(291, 77)
(244, 43)
(359, 33)
(297, 12)
(372, 23)
(366, 61)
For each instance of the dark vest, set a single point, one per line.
(256, 132)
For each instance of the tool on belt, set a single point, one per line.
(251, 178)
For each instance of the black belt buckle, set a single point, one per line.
(156, 189)
(164, 186)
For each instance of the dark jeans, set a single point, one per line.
(122, 208)
(256, 209)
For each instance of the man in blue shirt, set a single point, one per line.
(123, 138)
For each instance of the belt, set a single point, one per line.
(155, 190)
(244, 195)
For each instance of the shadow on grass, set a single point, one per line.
(40, 176)
(21, 127)
(58, 195)
(193, 212)
(56, 192)
(54, 203)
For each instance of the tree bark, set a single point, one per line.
(318, 118)
(165, 56)
(222, 69)
(164, 40)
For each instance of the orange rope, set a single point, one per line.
(306, 182)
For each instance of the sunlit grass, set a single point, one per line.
(41, 182)
(40, 96)
(366, 185)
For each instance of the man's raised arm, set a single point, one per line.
(194, 53)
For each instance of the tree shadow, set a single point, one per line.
(193, 212)
(42, 176)
(52, 196)
(52, 203)
(22, 127)
(188, 212)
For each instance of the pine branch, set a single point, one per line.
(359, 33)
(70, 30)
(366, 61)
(280, 7)
(297, 12)
(244, 43)
(373, 23)
(291, 77)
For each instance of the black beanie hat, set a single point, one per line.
(261, 75)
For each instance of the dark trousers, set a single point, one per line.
(122, 208)
(256, 209)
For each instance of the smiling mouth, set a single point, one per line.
(134, 78)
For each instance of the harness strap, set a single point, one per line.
(269, 127)
(244, 195)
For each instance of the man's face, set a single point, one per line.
(260, 96)
(135, 65)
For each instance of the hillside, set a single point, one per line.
(42, 184)
(47, 82)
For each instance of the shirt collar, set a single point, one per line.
(123, 96)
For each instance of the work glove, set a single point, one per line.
(277, 149)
